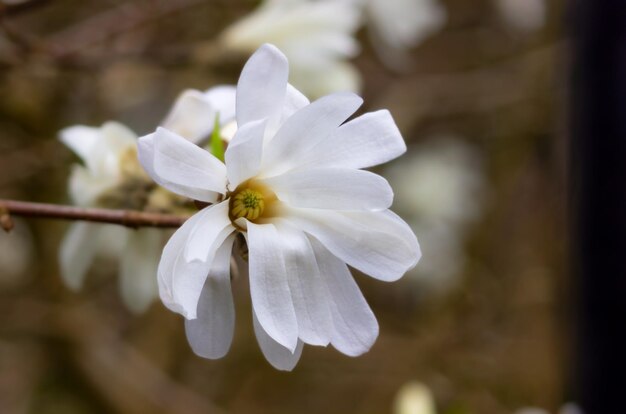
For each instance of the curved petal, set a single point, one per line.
(181, 166)
(277, 355)
(262, 85)
(77, 252)
(211, 333)
(355, 326)
(192, 116)
(243, 155)
(80, 139)
(379, 244)
(294, 100)
(366, 141)
(180, 282)
(305, 128)
(333, 188)
(308, 290)
(223, 98)
(138, 268)
(205, 233)
(269, 288)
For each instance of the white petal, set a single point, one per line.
(305, 128)
(222, 98)
(181, 166)
(80, 139)
(366, 141)
(379, 244)
(192, 116)
(117, 137)
(189, 276)
(168, 269)
(294, 100)
(203, 236)
(269, 288)
(138, 268)
(85, 187)
(77, 252)
(308, 290)
(211, 333)
(333, 188)
(243, 155)
(262, 85)
(145, 153)
(277, 355)
(355, 326)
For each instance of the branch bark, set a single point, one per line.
(128, 218)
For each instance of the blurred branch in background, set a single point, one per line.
(128, 218)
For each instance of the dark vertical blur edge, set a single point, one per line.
(598, 200)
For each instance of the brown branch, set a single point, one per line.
(128, 218)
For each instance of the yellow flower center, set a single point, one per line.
(248, 203)
(251, 200)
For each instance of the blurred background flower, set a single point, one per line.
(441, 188)
(316, 36)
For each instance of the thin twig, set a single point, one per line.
(128, 218)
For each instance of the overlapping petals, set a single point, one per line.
(327, 213)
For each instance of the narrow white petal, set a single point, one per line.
(308, 289)
(222, 98)
(78, 249)
(202, 237)
(138, 268)
(243, 155)
(167, 266)
(80, 139)
(211, 333)
(333, 188)
(379, 244)
(269, 287)
(262, 85)
(366, 141)
(355, 326)
(192, 117)
(146, 153)
(117, 138)
(305, 128)
(294, 100)
(277, 355)
(181, 166)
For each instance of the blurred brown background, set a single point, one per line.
(491, 339)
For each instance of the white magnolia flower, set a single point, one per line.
(292, 184)
(399, 25)
(316, 36)
(110, 166)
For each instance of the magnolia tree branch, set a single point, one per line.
(128, 218)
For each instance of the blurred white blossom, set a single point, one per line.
(396, 26)
(316, 36)
(292, 184)
(111, 176)
(414, 398)
(523, 15)
(440, 189)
